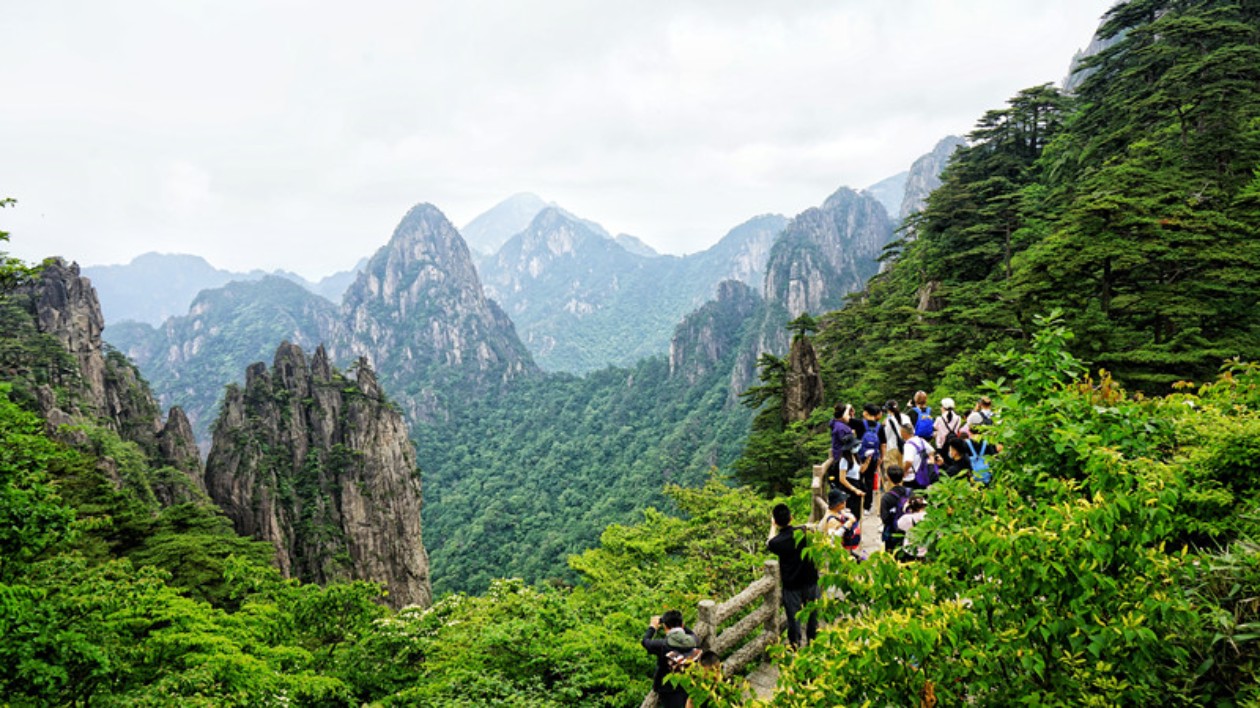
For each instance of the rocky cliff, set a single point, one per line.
(418, 313)
(190, 358)
(925, 175)
(702, 341)
(582, 300)
(319, 464)
(826, 253)
(802, 384)
(53, 326)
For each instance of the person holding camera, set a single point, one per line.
(677, 640)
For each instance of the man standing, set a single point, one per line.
(798, 575)
(917, 460)
(677, 639)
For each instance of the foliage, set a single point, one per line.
(12, 270)
(1130, 206)
(778, 452)
(1112, 560)
(516, 483)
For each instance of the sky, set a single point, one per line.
(279, 134)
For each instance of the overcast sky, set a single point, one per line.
(285, 134)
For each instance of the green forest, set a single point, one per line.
(1089, 262)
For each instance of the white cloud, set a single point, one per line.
(295, 135)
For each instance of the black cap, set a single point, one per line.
(836, 497)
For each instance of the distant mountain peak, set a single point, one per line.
(490, 230)
(925, 174)
(635, 245)
(487, 233)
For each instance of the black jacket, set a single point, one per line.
(797, 573)
(661, 647)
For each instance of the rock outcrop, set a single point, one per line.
(582, 300)
(704, 339)
(803, 384)
(826, 253)
(191, 358)
(319, 464)
(92, 383)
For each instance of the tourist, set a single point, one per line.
(797, 575)
(949, 424)
(915, 513)
(917, 460)
(891, 507)
(983, 413)
(677, 639)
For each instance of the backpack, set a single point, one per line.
(679, 660)
(899, 508)
(926, 474)
(870, 442)
(925, 427)
(952, 432)
(852, 537)
(979, 466)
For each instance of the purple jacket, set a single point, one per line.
(839, 429)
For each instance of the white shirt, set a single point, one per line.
(907, 522)
(912, 455)
(944, 427)
(852, 472)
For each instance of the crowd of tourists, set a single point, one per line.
(884, 451)
(891, 453)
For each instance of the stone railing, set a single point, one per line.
(764, 596)
(818, 493)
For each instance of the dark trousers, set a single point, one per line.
(793, 601)
(868, 485)
(672, 700)
(855, 502)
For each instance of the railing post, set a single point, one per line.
(706, 628)
(774, 598)
(818, 493)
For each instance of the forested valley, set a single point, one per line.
(1088, 262)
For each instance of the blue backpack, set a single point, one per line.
(870, 442)
(979, 466)
(926, 427)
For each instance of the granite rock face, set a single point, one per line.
(703, 340)
(826, 253)
(803, 384)
(925, 175)
(418, 312)
(97, 384)
(320, 465)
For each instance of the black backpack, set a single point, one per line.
(890, 528)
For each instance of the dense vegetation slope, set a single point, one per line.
(1132, 205)
(515, 484)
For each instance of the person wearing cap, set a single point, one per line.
(846, 471)
(948, 424)
(676, 638)
(840, 525)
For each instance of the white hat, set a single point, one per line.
(947, 403)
